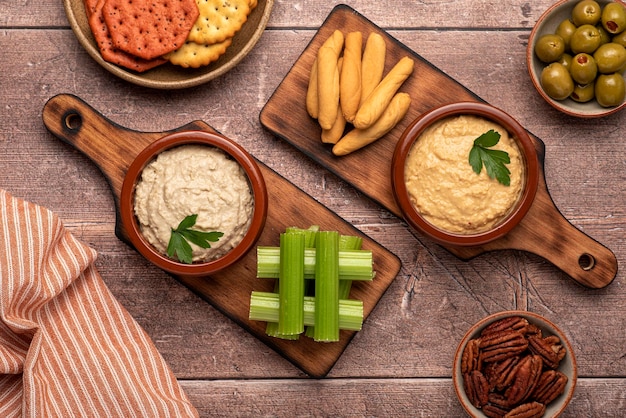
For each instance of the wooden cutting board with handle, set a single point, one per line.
(544, 231)
(113, 148)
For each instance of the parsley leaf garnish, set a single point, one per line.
(493, 160)
(179, 248)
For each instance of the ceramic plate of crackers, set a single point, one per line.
(168, 45)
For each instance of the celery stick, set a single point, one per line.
(346, 242)
(271, 328)
(327, 287)
(350, 242)
(310, 234)
(353, 264)
(291, 284)
(264, 306)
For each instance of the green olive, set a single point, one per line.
(583, 69)
(586, 38)
(610, 57)
(614, 17)
(556, 81)
(605, 37)
(620, 38)
(610, 89)
(583, 94)
(565, 30)
(586, 12)
(549, 48)
(565, 60)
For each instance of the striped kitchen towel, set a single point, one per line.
(67, 346)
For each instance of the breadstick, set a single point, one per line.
(312, 105)
(350, 76)
(328, 79)
(332, 135)
(358, 138)
(379, 99)
(372, 64)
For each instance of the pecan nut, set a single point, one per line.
(500, 374)
(551, 384)
(527, 374)
(516, 323)
(470, 359)
(495, 411)
(502, 344)
(476, 388)
(527, 410)
(498, 399)
(549, 348)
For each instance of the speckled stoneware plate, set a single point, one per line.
(167, 76)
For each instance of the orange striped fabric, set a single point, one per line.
(67, 346)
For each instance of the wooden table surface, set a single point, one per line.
(400, 363)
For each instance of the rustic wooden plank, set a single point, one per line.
(373, 397)
(435, 298)
(437, 15)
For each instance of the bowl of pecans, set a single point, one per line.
(514, 364)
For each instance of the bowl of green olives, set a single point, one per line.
(576, 57)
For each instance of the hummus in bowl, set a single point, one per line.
(199, 174)
(438, 188)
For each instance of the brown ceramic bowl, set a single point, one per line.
(257, 185)
(567, 366)
(413, 132)
(167, 76)
(547, 24)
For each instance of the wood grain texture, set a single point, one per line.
(402, 358)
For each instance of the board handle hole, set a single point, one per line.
(586, 262)
(73, 121)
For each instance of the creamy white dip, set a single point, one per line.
(442, 185)
(194, 179)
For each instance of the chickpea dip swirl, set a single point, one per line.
(445, 190)
(194, 179)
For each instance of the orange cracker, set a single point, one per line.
(193, 55)
(148, 28)
(91, 6)
(218, 20)
(108, 51)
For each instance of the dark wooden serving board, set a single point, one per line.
(112, 148)
(544, 231)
